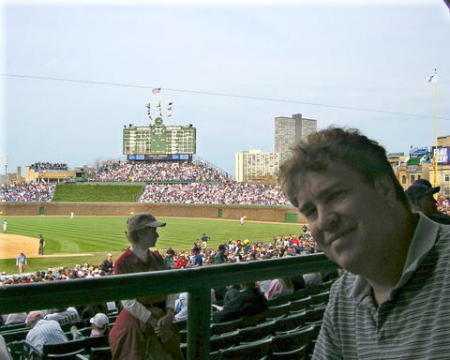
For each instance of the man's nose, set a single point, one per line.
(328, 220)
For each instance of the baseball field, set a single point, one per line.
(87, 239)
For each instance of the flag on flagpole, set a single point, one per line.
(156, 90)
(433, 78)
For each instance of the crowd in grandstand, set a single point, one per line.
(39, 166)
(179, 182)
(231, 193)
(158, 171)
(25, 192)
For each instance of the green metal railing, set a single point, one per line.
(197, 281)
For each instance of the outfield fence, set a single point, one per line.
(230, 212)
(196, 281)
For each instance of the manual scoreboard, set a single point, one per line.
(159, 142)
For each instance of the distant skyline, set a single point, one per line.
(278, 60)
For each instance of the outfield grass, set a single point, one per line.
(98, 192)
(100, 235)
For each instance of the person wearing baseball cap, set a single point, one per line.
(144, 327)
(99, 324)
(420, 195)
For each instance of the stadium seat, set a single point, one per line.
(257, 332)
(299, 294)
(320, 298)
(226, 326)
(225, 340)
(57, 349)
(66, 356)
(278, 300)
(314, 314)
(255, 350)
(291, 321)
(300, 304)
(96, 342)
(100, 353)
(10, 327)
(294, 339)
(300, 353)
(15, 335)
(253, 320)
(278, 310)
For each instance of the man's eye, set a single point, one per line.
(336, 195)
(309, 213)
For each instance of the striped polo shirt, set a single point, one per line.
(413, 323)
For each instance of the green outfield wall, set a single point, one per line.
(230, 212)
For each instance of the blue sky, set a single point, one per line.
(337, 53)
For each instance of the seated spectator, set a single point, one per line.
(249, 301)
(4, 351)
(181, 307)
(279, 287)
(197, 259)
(99, 325)
(221, 257)
(16, 318)
(63, 316)
(169, 258)
(43, 331)
(107, 264)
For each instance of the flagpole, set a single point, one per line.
(436, 107)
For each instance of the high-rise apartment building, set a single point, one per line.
(289, 130)
(253, 165)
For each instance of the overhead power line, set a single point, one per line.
(209, 93)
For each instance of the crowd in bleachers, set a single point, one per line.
(40, 166)
(169, 182)
(25, 192)
(158, 172)
(228, 193)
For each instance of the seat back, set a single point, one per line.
(65, 347)
(15, 335)
(253, 320)
(226, 326)
(291, 321)
(225, 340)
(293, 339)
(66, 356)
(300, 353)
(258, 332)
(101, 353)
(300, 304)
(96, 342)
(278, 310)
(250, 351)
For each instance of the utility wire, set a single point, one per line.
(209, 93)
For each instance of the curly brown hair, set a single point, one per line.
(334, 144)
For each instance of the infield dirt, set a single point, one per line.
(11, 245)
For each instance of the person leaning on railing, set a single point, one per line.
(144, 327)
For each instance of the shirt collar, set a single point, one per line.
(423, 240)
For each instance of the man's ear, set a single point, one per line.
(385, 188)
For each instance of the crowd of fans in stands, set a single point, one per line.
(39, 192)
(222, 193)
(159, 172)
(39, 166)
(169, 182)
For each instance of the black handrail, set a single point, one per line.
(197, 281)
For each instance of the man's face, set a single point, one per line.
(147, 237)
(346, 215)
(426, 204)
